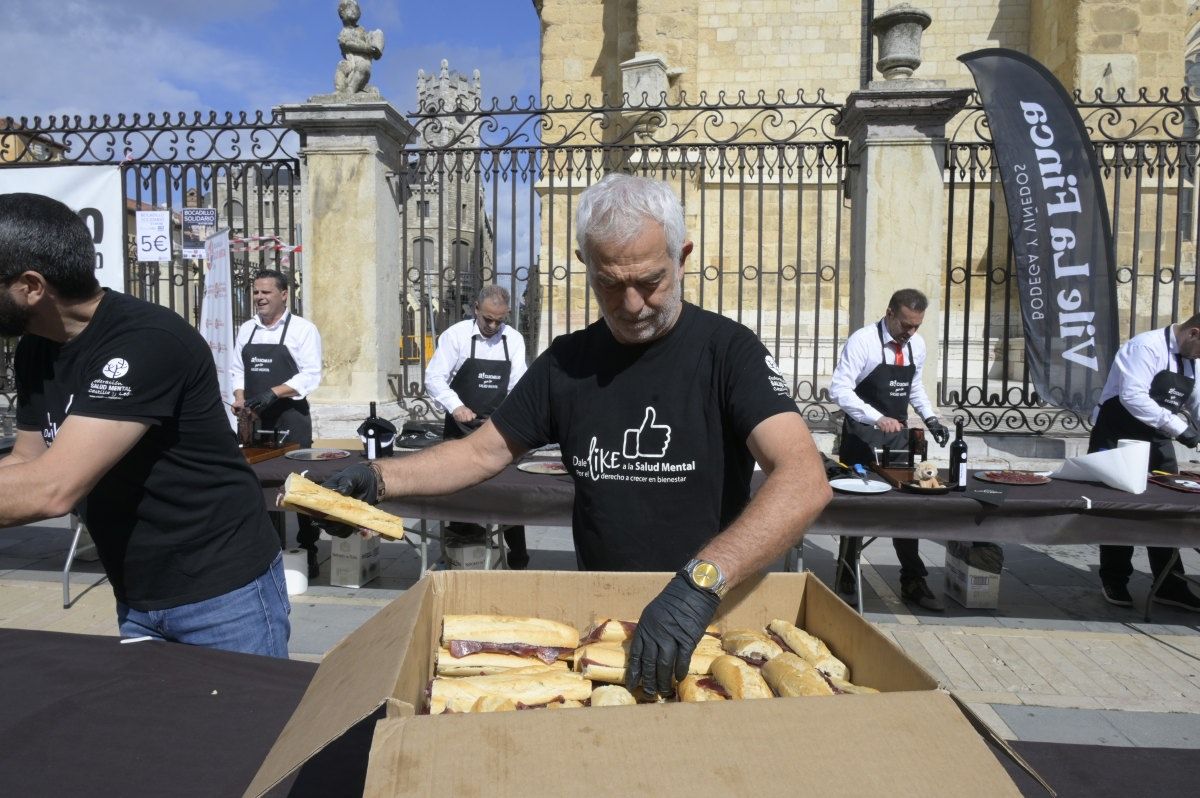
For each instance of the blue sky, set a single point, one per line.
(109, 56)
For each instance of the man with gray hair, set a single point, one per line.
(661, 409)
(476, 363)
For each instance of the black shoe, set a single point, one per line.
(314, 564)
(518, 562)
(1117, 594)
(846, 585)
(918, 592)
(1177, 594)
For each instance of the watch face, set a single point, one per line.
(706, 575)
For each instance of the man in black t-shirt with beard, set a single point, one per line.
(661, 410)
(119, 416)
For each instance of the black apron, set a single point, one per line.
(886, 389)
(1169, 389)
(481, 385)
(268, 365)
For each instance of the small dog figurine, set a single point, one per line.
(925, 475)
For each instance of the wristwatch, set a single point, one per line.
(706, 576)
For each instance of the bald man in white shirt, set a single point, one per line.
(476, 363)
(1151, 395)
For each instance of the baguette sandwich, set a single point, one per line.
(485, 663)
(601, 662)
(811, 648)
(790, 675)
(525, 687)
(706, 651)
(504, 634)
(753, 647)
(608, 631)
(842, 686)
(738, 679)
(612, 695)
(302, 495)
(699, 687)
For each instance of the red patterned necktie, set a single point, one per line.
(899, 352)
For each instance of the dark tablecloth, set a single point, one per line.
(86, 715)
(1059, 513)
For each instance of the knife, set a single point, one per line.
(862, 473)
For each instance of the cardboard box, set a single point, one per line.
(973, 574)
(913, 739)
(354, 561)
(472, 557)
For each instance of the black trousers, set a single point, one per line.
(1116, 562)
(854, 451)
(514, 536)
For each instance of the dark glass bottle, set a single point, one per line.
(371, 444)
(958, 458)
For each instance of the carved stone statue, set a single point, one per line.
(359, 48)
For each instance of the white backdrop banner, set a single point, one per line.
(216, 313)
(94, 192)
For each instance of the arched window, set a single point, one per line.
(422, 254)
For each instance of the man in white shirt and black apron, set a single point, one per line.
(876, 378)
(1151, 395)
(276, 365)
(476, 363)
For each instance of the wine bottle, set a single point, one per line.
(372, 443)
(958, 458)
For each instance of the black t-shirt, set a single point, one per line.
(653, 435)
(180, 518)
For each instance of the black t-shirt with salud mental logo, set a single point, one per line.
(654, 435)
(180, 518)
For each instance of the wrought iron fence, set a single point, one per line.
(244, 165)
(488, 196)
(1148, 151)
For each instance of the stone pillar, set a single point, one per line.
(897, 138)
(350, 153)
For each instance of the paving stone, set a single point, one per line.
(1157, 730)
(1048, 724)
(987, 714)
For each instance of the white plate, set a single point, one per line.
(552, 468)
(317, 454)
(856, 485)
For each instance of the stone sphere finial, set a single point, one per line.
(898, 31)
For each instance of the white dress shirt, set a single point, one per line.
(303, 342)
(453, 349)
(1137, 361)
(861, 354)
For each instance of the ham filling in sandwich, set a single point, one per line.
(810, 648)
(503, 634)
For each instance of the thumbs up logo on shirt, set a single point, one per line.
(649, 440)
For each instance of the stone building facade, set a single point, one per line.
(774, 222)
(447, 232)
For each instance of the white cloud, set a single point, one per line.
(110, 57)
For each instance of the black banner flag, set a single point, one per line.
(1058, 218)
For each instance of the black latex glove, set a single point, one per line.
(260, 402)
(358, 482)
(667, 634)
(1189, 437)
(937, 430)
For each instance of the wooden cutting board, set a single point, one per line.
(256, 454)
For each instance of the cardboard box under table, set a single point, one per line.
(912, 739)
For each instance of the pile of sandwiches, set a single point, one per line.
(497, 663)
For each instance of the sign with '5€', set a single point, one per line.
(154, 236)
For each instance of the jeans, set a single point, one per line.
(252, 619)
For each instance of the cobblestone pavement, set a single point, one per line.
(1054, 663)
